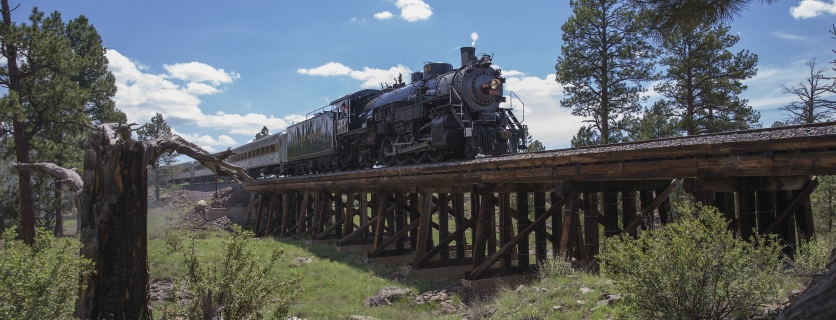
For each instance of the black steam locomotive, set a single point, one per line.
(442, 114)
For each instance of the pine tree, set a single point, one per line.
(533, 145)
(263, 134)
(158, 129)
(704, 80)
(41, 93)
(655, 123)
(604, 58)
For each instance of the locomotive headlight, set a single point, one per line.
(495, 83)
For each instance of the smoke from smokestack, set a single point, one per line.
(474, 36)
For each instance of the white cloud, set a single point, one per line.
(473, 37)
(353, 19)
(546, 119)
(328, 69)
(383, 15)
(199, 72)
(141, 95)
(205, 141)
(512, 73)
(372, 77)
(788, 36)
(812, 8)
(414, 10)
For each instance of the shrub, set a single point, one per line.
(239, 286)
(40, 281)
(555, 267)
(694, 269)
(811, 257)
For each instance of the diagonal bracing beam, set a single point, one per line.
(653, 205)
(798, 201)
(445, 242)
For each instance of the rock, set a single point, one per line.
(201, 207)
(301, 261)
(448, 308)
(556, 308)
(362, 318)
(607, 299)
(585, 290)
(581, 302)
(386, 296)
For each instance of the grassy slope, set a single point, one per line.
(334, 284)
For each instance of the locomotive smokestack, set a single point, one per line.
(468, 55)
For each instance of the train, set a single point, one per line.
(443, 114)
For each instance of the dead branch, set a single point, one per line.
(64, 175)
(214, 162)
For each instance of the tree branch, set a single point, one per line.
(67, 176)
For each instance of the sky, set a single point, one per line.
(220, 71)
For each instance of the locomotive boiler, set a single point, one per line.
(444, 113)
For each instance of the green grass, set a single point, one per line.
(557, 298)
(334, 285)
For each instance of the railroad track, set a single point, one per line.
(792, 150)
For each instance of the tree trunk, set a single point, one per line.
(817, 300)
(114, 230)
(157, 184)
(59, 215)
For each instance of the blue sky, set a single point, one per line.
(219, 71)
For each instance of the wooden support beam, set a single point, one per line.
(250, 208)
(413, 215)
(458, 204)
(301, 216)
(748, 217)
(445, 242)
(766, 210)
(570, 208)
(579, 251)
(424, 226)
(335, 226)
(590, 224)
(443, 224)
(523, 222)
(630, 228)
(628, 210)
(394, 238)
(646, 197)
(360, 229)
(557, 225)
(261, 206)
(364, 213)
(482, 226)
(505, 227)
(400, 221)
(381, 212)
(478, 270)
(795, 204)
(744, 184)
(285, 214)
(271, 213)
(348, 228)
(339, 207)
(474, 212)
(540, 232)
(571, 186)
(610, 204)
(786, 228)
(804, 218)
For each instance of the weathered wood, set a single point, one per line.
(349, 215)
(540, 234)
(523, 222)
(628, 211)
(381, 212)
(557, 225)
(364, 213)
(766, 209)
(631, 228)
(400, 221)
(413, 215)
(445, 242)
(506, 248)
(741, 184)
(394, 238)
(609, 186)
(302, 216)
(339, 207)
(443, 224)
(610, 204)
(795, 204)
(785, 228)
(746, 208)
(424, 225)
(458, 204)
(505, 228)
(645, 198)
(590, 224)
(359, 230)
(333, 227)
(568, 211)
(482, 226)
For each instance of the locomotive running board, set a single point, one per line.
(413, 148)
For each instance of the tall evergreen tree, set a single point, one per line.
(813, 104)
(704, 79)
(604, 58)
(158, 129)
(263, 134)
(41, 92)
(656, 123)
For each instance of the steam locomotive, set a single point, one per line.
(442, 114)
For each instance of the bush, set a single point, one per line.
(40, 281)
(694, 269)
(812, 256)
(239, 286)
(555, 267)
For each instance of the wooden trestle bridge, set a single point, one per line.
(483, 211)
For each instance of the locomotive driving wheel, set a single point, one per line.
(418, 157)
(434, 155)
(387, 152)
(401, 158)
